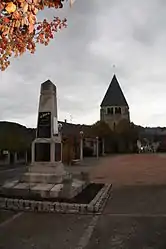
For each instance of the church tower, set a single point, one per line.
(114, 106)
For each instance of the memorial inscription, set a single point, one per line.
(44, 125)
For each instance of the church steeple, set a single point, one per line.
(114, 95)
(114, 106)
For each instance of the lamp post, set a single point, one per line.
(103, 147)
(60, 132)
(81, 145)
(97, 147)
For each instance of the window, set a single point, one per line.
(117, 110)
(110, 110)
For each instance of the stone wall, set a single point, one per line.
(112, 115)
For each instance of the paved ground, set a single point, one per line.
(5, 215)
(131, 170)
(129, 232)
(144, 200)
(134, 217)
(48, 231)
(12, 173)
(11, 166)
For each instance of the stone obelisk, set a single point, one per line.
(47, 147)
(46, 175)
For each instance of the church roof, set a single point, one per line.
(114, 95)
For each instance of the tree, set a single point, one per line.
(123, 126)
(20, 30)
(99, 129)
(68, 150)
(126, 134)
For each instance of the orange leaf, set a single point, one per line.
(1, 6)
(16, 15)
(25, 8)
(6, 20)
(31, 18)
(11, 7)
(35, 11)
(31, 28)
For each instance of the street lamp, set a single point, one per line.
(81, 145)
(97, 147)
(60, 132)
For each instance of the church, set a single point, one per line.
(113, 109)
(114, 106)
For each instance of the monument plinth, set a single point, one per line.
(46, 176)
(47, 164)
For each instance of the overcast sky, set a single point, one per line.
(130, 34)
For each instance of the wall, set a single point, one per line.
(112, 119)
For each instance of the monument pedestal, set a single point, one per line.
(46, 177)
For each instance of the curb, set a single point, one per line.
(96, 205)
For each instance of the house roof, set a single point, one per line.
(69, 129)
(114, 95)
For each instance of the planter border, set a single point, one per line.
(95, 206)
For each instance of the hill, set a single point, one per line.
(15, 137)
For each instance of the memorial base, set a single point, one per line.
(45, 181)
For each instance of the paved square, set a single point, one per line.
(43, 231)
(133, 169)
(129, 233)
(134, 217)
(142, 200)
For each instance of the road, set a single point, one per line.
(11, 172)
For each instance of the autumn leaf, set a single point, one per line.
(6, 32)
(31, 18)
(1, 7)
(16, 15)
(6, 20)
(35, 11)
(31, 28)
(11, 7)
(25, 7)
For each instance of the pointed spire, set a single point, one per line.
(114, 95)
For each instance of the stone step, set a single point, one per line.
(40, 168)
(45, 178)
(45, 190)
(72, 189)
